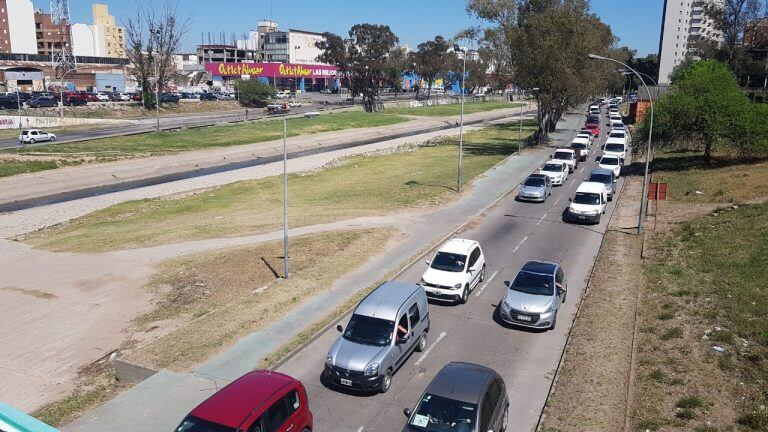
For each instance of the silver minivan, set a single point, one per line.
(385, 328)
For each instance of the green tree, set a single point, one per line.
(432, 60)
(361, 59)
(394, 67)
(253, 93)
(706, 108)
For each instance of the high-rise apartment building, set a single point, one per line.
(683, 21)
(17, 27)
(50, 37)
(114, 36)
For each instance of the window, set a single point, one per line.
(474, 256)
(258, 425)
(559, 276)
(486, 413)
(277, 414)
(293, 401)
(495, 393)
(402, 326)
(413, 314)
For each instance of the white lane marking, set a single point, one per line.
(360, 430)
(431, 347)
(581, 169)
(541, 220)
(558, 199)
(487, 281)
(519, 244)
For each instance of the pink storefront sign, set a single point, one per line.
(278, 70)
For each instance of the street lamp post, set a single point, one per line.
(285, 198)
(461, 117)
(650, 135)
(156, 33)
(18, 103)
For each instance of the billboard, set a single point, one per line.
(275, 70)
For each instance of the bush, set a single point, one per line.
(254, 93)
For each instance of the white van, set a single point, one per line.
(588, 205)
(594, 110)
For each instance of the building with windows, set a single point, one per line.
(51, 37)
(683, 21)
(113, 36)
(17, 27)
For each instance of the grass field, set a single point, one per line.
(9, 168)
(451, 110)
(360, 186)
(213, 299)
(216, 136)
(726, 179)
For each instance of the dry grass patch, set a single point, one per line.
(213, 299)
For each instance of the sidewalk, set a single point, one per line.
(161, 401)
(26, 190)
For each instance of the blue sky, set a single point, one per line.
(414, 21)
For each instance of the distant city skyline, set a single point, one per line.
(638, 27)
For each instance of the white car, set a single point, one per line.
(102, 97)
(556, 170)
(615, 147)
(125, 97)
(588, 135)
(456, 269)
(612, 163)
(282, 95)
(32, 136)
(581, 144)
(589, 203)
(566, 155)
(294, 103)
(618, 133)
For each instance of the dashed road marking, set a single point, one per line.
(482, 288)
(519, 244)
(541, 220)
(429, 350)
(558, 199)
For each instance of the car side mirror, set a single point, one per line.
(471, 269)
(427, 262)
(570, 199)
(507, 283)
(552, 156)
(339, 328)
(403, 339)
(407, 412)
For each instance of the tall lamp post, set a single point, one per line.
(155, 33)
(285, 199)
(650, 134)
(456, 48)
(18, 102)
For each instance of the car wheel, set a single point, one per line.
(610, 198)
(31, 140)
(53, 138)
(565, 293)
(482, 274)
(554, 322)
(422, 343)
(505, 420)
(386, 382)
(464, 295)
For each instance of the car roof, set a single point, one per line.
(614, 140)
(465, 382)
(540, 266)
(590, 187)
(234, 403)
(580, 139)
(385, 301)
(457, 246)
(555, 161)
(564, 150)
(602, 171)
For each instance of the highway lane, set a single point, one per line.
(510, 233)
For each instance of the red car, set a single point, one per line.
(89, 96)
(259, 401)
(595, 128)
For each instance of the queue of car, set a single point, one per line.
(393, 321)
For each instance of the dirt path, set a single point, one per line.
(591, 391)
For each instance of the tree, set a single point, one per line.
(706, 108)
(431, 60)
(254, 93)
(361, 59)
(395, 66)
(152, 36)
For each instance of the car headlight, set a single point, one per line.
(423, 282)
(550, 308)
(505, 304)
(329, 359)
(559, 177)
(372, 369)
(457, 286)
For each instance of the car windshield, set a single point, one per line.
(552, 168)
(533, 283)
(609, 161)
(563, 155)
(194, 424)
(614, 147)
(616, 135)
(600, 178)
(367, 330)
(439, 414)
(586, 198)
(535, 181)
(579, 145)
(449, 262)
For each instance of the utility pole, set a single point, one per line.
(155, 33)
(461, 117)
(520, 132)
(285, 198)
(18, 102)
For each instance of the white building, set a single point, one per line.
(21, 26)
(88, 40)
(682, 20)
(301, 47)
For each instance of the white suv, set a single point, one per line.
(568, 156)
(456, 269)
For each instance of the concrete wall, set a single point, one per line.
(12, 122)
(21, 21)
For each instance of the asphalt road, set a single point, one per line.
(510, 233)
(167, 123)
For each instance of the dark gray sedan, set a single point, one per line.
(537, 187)
(463, 397)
